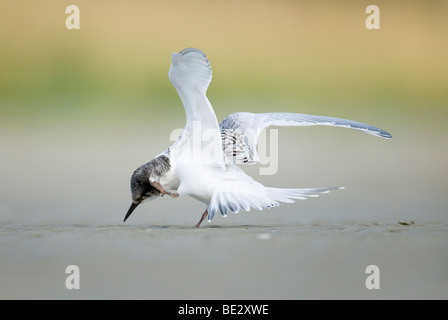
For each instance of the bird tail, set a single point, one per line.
(258, 197)
(288, 195)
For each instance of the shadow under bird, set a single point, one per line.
(202, 162)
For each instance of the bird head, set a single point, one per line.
(141, 190)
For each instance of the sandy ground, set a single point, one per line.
(65, 192)
(323, 261)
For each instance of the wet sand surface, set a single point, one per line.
(320, 260)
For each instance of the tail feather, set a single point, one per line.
(263, 197)
(288, 195)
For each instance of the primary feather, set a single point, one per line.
(240, 130)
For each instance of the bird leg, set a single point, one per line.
(204, 215)
(159, 187)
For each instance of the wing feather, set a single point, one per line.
(240, 130)
(191, 74)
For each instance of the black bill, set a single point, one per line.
(132, 208)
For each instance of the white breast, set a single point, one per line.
(197, 181)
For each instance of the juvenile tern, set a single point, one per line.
(202, 162)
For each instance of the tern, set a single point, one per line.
(202, 162)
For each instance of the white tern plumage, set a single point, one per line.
(202, 162)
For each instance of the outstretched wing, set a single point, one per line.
(190, 73)
(240, 131)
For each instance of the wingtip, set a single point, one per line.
(386, 135)
(382, 134)
(186, 50)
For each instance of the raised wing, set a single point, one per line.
(190, 73)
(240, 131)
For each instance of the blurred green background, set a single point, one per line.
(312, 56)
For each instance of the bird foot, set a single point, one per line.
(204, 215)
(171, 194)
(163, 192)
